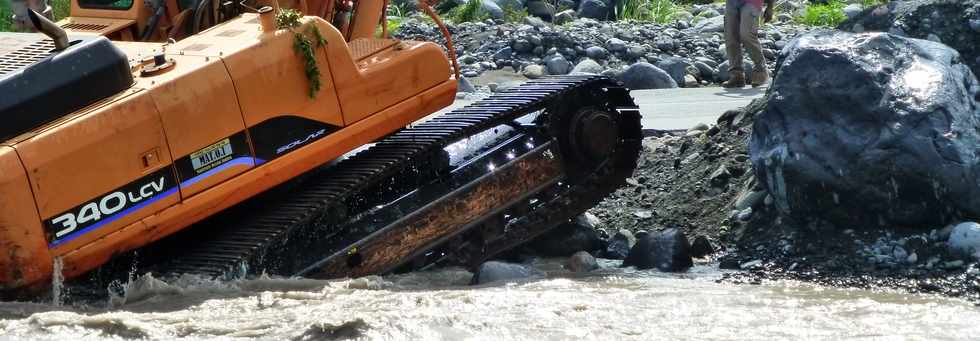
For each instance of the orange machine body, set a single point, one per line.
(231, 118)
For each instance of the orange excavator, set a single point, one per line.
(233, 141)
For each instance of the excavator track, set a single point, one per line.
(400, 202)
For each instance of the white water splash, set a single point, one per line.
(611, 303)
(57, 281)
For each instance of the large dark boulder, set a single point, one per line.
(955, 23)
(595, 9)
(619, 245)
(868, 129)
(666, 250)
(569, 238)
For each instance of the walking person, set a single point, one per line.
(742, 29)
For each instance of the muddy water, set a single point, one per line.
(619, 304)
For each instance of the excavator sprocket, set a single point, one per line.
(536, 155)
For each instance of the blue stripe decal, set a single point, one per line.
(114, 217)
(245, 160)
(249, 161)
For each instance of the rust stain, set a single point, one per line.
(394, 246)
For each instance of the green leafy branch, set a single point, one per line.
(289, 19)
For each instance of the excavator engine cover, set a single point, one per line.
(40, 84)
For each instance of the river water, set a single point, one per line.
(613, 303)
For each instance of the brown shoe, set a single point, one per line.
(737, 80)
(759, 78)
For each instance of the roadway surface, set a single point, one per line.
(682, 108)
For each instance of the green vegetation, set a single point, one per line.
(6, 24)
(659, 11)
(871, 3)
(289, 19)
(61, 8)
(471, 11)
(514, 15)
(827, 15)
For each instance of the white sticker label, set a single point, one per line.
(213, 155)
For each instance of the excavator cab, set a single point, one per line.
(163, 20)
(154, 20)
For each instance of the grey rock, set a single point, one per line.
(701, 247)
(683, 16)
(709, 13)
(492, 9)
(667, 250)
(975, 25)
(720, 177)
(564, 17)
(706, 71)
(541, 9)
(965, 240)
(581, 262)
(468, 59)
(646, 76)
(676, 67)
(534, 71)
(616, 45)
(898, 149)
(853, 10)
(512, 4)
(699, 127)
(534, 40)
(619, 245)
(534, 21)
(587, 66)
(634, 52)
(569, 238)
(493, 86)
(520, 45)
(595, 9)
(464, 85)
(744, 215)
(494, 271)
(596, 52)
(750, 199)
(716, 24)
(504, 54)
(557, 64)
(611, 73)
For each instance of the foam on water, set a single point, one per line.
(609, 303)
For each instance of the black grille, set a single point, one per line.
(25, 56)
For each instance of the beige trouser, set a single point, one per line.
(741, 28)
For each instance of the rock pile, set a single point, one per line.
(690, 54)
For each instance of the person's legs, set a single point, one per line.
(733, 44)
(749, 34)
